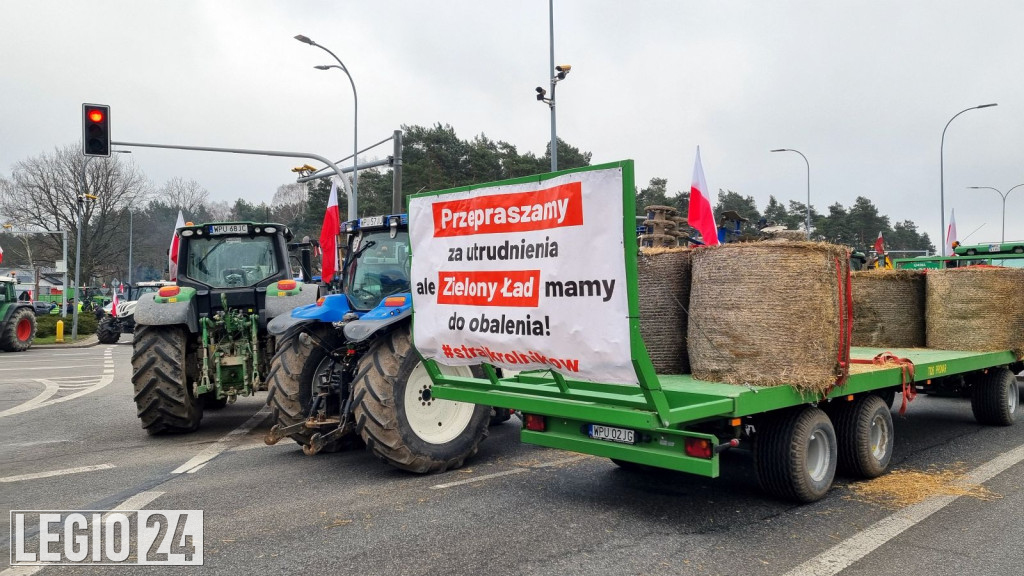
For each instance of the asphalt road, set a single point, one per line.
(513, 508)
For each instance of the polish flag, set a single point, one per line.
(172, 256)
(1, 254)
(329, 236)
(700, 214)
(880, 245)
(951, 232)
(113, 305)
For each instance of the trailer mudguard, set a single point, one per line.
(391, 310)
(153, 310)
(330, 308)
(283, 299)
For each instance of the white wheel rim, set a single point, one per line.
(818, 456)
(1013, 396)
(879, 438)
(434, 420)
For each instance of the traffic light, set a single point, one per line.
(96, 130)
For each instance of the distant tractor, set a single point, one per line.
(121, 320)
(203, 342)
(17, 319)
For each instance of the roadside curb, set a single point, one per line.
(86, 342)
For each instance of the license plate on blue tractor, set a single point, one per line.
(611, 434)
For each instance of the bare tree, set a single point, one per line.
(219, 210)
(44, 192)
(188, 195)
(289, 203)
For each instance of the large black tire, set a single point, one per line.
(995, 397)
(162, 391)
(108, 331)
(864, 433)
(399, 419)
(19, 331)
(210, 401)
(795, 454)
(297, 364)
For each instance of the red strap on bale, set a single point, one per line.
(845, 320)
(906, 369)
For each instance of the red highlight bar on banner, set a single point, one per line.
(554, 207)
(489, 288)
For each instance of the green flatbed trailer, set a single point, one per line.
(681, 423)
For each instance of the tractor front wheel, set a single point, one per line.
(20, 330)
(399, 418)
(163, 393)
(109, 330)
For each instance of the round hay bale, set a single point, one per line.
(792, 235)
(888, 308)
(664, 283)
(770, 313)
(976, 308)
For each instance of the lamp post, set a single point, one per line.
(1002, 237)
(942, 183)
(558, 73)
(355, 120)
(808, 224)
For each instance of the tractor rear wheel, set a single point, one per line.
(17, 334)
(401, 421)
(108, 331)
(163, 393)
(296, 366)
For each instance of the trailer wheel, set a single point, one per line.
(795, 454)
(162, 391)
(297, 364)
(108, 331)
(995, 397)
(400, 420)
(865, 434)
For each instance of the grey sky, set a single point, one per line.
(862, 88)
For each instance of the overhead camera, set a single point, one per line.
(541, 93)
(562, 70)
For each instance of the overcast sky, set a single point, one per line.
(862, 88)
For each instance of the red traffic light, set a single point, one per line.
(96, 115)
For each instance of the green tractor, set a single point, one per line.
(17, 319)
(203, 342)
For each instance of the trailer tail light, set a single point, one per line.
(286, 285)
(534, 422)
(699, 448)
(168, 291)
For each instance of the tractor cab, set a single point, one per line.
(377, 261)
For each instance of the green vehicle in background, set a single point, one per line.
(1016, 247)
(1008, 260)
(17, 319)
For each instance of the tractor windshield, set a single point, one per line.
(231, 261)
(380, 270)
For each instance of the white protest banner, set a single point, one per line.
(525, 275)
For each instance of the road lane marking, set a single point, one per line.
(37, 475)
(49, 389)
(104, 380)
(76, 366)
(562, 461)
(224, 443)
(844, 554)
(480, 478)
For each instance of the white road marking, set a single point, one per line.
(213, 450)
(481, 478)
(844, 554)
(104, 380)
(37, 475)
(49, 389)
(76, 366)
(562, 461)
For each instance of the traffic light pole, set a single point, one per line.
(352, 206)
(78, 249)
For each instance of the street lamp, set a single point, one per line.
(355, 120)
(1002, 237)
(557, 73)
(942, 184)
(808, 185)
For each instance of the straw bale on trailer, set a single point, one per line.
(663, 276)
(770, 313)
(977, 308)
(888, 308)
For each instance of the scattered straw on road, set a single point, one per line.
(902, 488)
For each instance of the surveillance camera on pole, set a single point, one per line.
(541, 93)
(562, 71)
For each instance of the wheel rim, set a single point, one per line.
(1012, 398)
(818, 456)
(24, 329)
(434, 420)
(879, 438)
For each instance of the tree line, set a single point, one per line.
(40, 199)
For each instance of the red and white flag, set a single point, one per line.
(700, 215)
(951, 232)
(172, 256)
(113, 305)
(1, 254)
(329, 236)
(880, 245)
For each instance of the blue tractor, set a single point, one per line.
(345, 372)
